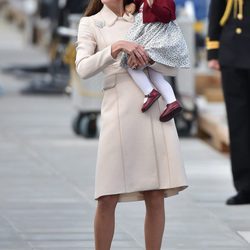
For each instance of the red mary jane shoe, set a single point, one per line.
(151, 98)
(171, 111)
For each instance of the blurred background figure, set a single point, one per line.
(228, 50)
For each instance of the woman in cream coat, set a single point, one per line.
(138, 156)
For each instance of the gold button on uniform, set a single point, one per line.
(240, 16)
(238, 31)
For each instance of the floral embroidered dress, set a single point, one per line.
(164, 42)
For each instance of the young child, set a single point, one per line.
(155, 29)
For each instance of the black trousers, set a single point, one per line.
(236, 87)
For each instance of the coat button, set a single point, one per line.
(238, 31)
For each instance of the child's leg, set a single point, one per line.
(162, 85)
(141, 80)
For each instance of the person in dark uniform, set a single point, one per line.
(228, 46)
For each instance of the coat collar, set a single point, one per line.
(110, 17)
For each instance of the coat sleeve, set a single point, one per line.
(164, 10)
(216, 11)
(88, 61)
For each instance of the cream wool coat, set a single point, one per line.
(136, 151)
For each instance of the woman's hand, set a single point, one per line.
(135, 51)
(214, 64)
(133, 63)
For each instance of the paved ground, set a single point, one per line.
(47, 175)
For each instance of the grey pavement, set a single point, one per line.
(47, 180)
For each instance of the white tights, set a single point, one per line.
(155, 79)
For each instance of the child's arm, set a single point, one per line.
(163, 9)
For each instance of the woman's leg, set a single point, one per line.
(105, 222)
(155, 219)
(141, 80)
(162, 85)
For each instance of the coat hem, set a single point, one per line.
(138, 195)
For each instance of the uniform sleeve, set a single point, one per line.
(216, 11)
(88, 61)
(164, 10)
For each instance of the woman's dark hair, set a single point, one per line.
(95, 6)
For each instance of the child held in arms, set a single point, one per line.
(155, 28)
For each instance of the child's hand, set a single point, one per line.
(130, 8)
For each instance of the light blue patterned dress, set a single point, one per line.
(164, 42)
